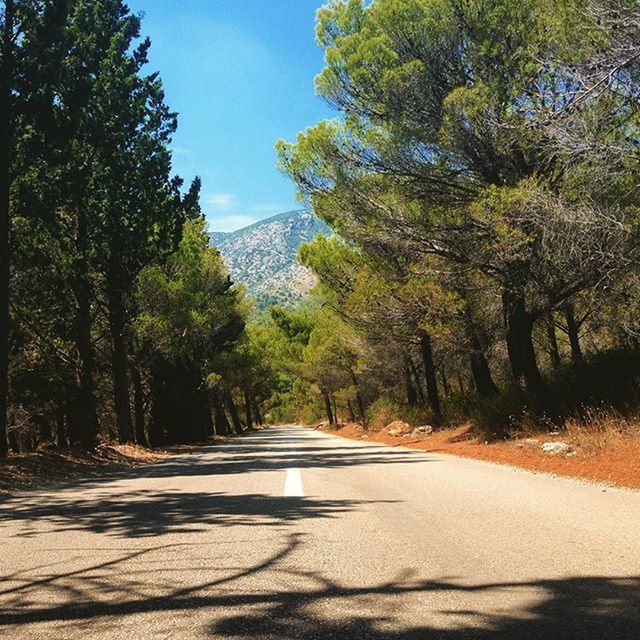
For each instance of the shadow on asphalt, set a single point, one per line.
(265, 451)
(140, 513)
(255, 451)
(148, 513)
(585, 608)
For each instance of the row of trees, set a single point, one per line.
(480, 179)
(482, 182)
(116, 318)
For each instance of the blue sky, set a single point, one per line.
(240, 75)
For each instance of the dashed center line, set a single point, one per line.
(293, 484)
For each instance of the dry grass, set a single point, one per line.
(600, 430)
(384, 411)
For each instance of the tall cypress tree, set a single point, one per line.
(6, 128)
(28, 32)
(138, 203)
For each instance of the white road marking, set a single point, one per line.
(293, 484)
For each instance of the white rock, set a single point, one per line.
(398, 428)
(427, 428)
(554, 448)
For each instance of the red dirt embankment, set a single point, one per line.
(616, 464)
(44, 467)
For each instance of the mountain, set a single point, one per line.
(263, 256)
(217, 237)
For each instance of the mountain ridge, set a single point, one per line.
(262, 255)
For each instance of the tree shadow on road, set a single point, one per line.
(573, 608)
(149, 513)
(584, 608)
(261, 451)
(268, 453)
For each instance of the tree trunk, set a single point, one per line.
(352, 415)
(522, 355)
(208, 429)
(430, 375)
(138, 406)
(222, 426)
(256, 411)
(411, 393)
(554, 352)
(157, 425)
(480, 371)
(233, 412)
(62, 441)
(14, 441)
(119, 365)
(247, 408)
(482, 380)
(6, 132)
(86, 401)
(327, 407)
(359, 401)
(445, 382)
(44, 427)
(573, 331)
(416, 376)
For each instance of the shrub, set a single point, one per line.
(603, 385)
(384, 410)
(311, 413)
(500, 416)
(381, 412)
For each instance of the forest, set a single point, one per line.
(480, 180)
(117, 317)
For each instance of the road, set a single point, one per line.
(289, 533)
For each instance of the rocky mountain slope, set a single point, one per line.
(263, 256)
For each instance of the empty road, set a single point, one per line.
(293, 534)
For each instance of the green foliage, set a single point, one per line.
(469, 212)
(188, 308)
(116, 301)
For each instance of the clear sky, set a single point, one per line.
(240, 75)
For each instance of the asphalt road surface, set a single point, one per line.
(290, 533)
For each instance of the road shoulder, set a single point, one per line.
(614, 466)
